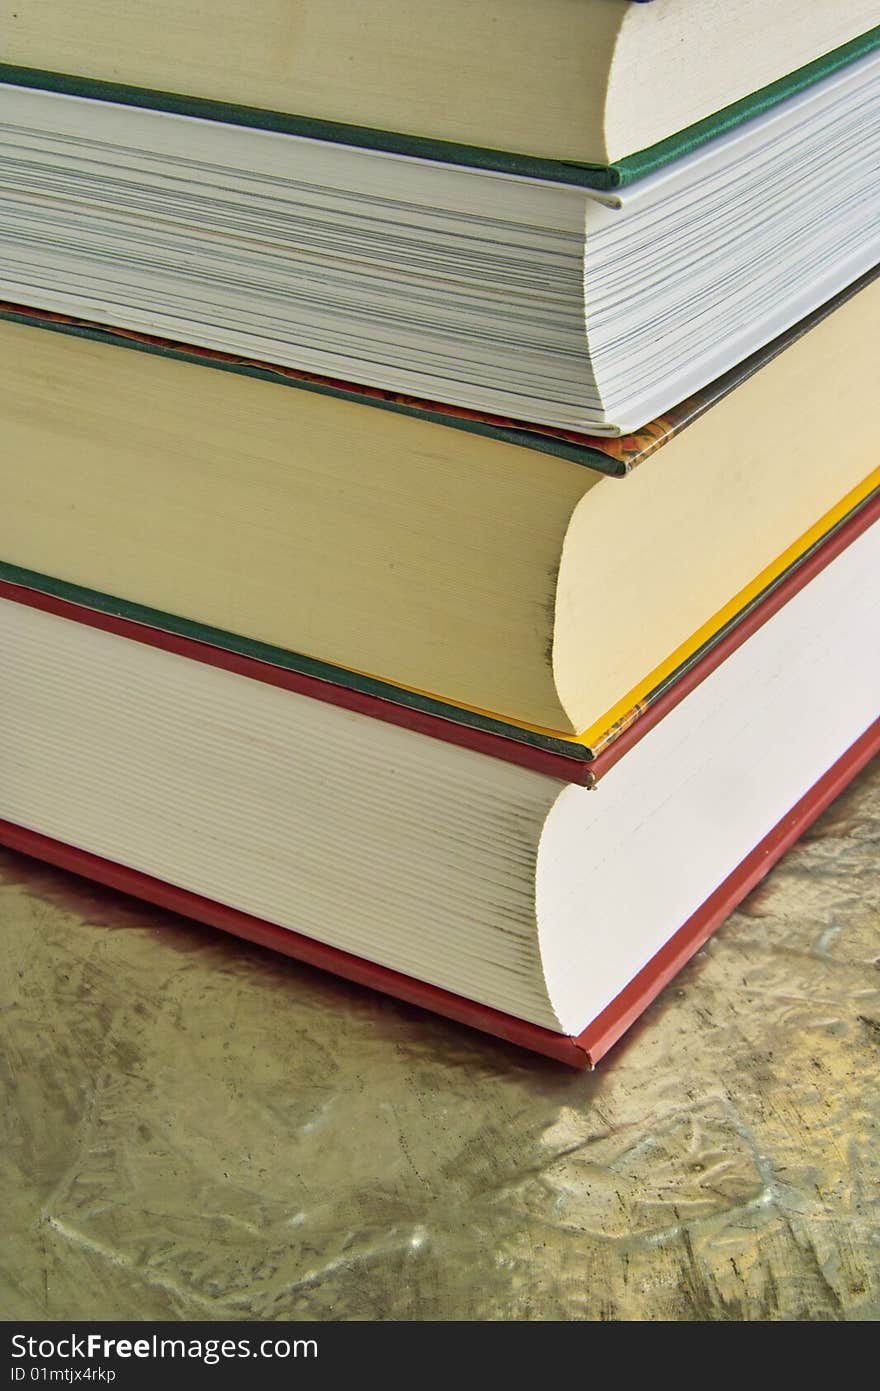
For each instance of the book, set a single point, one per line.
(566, 758)
(389, 541)
(587, 85)
(541, 300)
(536, 909)
(585, 1050)
(441, 509)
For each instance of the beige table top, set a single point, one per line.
(195, 1128)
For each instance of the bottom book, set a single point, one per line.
(581, 1050)
(546, 913)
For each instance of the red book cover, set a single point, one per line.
(582, 1051)
(568, 761)
(603, 1031)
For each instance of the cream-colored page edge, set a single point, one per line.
(419, 554)
(676, 62)
(647, 562)
(508, 74)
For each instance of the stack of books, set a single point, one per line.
(440, 525)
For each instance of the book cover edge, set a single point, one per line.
(612, 456)
(584, 1050)
(612, 1023)
(601, 177)
(567, 761)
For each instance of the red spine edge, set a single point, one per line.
(564, 767)
(555, 765)
(626, 1007)
(858, 521)
(280, 939)
(583, 1051)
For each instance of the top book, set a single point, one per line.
(354, 238)
(584, 82)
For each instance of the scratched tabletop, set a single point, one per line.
(195, 1128)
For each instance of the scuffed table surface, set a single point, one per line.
(195, 1128)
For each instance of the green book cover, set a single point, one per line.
(601, 177)
(615, 456)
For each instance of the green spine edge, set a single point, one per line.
(289, 661)
(541, 444)
(368, 685)
(596, 176)
(655, 157)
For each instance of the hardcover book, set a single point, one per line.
(597, 90)
(555, 585)
(536, 909)
(441, 513)
(493, 289)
